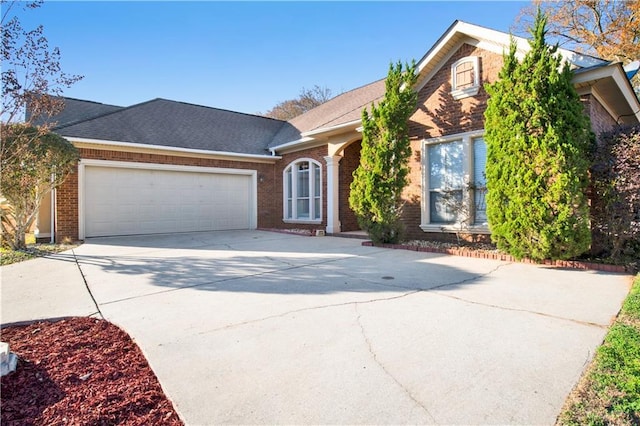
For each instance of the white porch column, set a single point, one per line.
(333, 192)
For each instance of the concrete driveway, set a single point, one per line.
(258, 327)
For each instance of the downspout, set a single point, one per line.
(53, 211)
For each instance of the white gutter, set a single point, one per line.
(312, 135)
(332, 128)
(289, 144)
(169, 148)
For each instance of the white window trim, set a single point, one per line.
(468, 91)
(312, 195)
(467, 143)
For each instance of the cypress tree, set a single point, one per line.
(376, 190)
(538, 149)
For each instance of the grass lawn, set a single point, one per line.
(609, 391)
(33, 250)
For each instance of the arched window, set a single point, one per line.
(465, 77)
(303, 191)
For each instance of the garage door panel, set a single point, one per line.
(123, 201)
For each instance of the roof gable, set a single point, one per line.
(494, 41)
(347, 107)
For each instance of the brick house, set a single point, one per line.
(165, 166)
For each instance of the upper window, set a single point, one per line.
(465, 77)
(455, 185)
(303, 191)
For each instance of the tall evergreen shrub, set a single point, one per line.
(376, 190)
(538, 148)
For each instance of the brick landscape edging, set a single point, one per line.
(574, 264)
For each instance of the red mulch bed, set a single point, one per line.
(80, 371)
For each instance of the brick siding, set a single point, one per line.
(66, 226)
(601, 120)
(269, 210)
(348, 164)
(439, 114)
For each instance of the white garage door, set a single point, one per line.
(126, 201)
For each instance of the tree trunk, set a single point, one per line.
(19, 240)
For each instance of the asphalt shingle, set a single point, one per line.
(75, 111)
(176, 124)
(342, 109)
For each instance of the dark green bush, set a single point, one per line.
(538, 148)
(378, 182)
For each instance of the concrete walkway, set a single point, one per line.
(259, 327)
(42, 288)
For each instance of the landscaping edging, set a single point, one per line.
(574, 264)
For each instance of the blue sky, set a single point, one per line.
(243, 56)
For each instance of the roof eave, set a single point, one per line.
(302, 143)
(81, 142)
(615, 73)
(331, 130)
(317, 136)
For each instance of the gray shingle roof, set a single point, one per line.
(76, 110)
(177, 124)
(182, 125)
(342, 109)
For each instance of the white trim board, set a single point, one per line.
(137, 147)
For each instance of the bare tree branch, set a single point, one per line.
(308, 99)
(606, 29)
(32, 77)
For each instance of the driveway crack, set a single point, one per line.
(311, 308)
(410, 292)
(86, 285)
(506, 308)
(387, 372)
(470, 279)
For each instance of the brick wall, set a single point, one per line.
(438, 114)
(66, 226)
(601, 120)
(348, 164)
